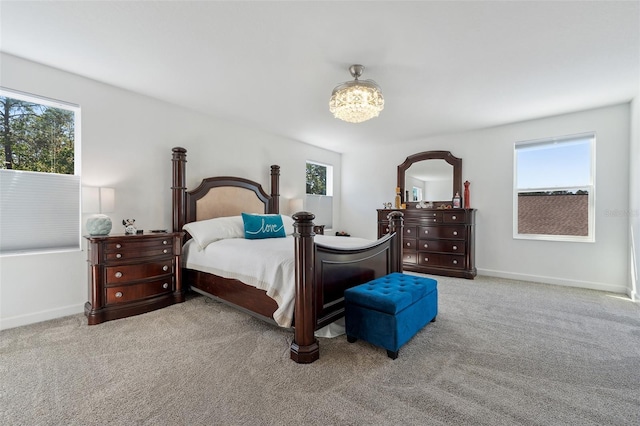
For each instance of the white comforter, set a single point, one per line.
(266, 264)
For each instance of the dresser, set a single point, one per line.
(132, 274)
(436, 241)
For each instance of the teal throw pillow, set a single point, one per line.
(258, 226)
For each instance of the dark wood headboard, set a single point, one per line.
(219, 196)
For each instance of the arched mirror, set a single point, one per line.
(431, 176)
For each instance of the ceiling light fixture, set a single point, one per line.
(356, 101)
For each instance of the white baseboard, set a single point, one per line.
(613, 288)
(20, 320)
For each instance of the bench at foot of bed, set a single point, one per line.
(389, 311)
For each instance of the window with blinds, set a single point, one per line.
(319, 197)
(39, 174)
(554, 190)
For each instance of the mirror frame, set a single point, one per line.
(432, 155)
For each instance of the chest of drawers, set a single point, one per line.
(132, 274)
(436, 241)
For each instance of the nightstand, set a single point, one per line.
(132, 274)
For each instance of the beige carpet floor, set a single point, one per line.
(501, 352)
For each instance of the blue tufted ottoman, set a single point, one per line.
(390, 310)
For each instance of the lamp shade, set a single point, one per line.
(107, 200)
(296, 205)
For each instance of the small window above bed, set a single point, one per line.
(319, 178)
(319, 197)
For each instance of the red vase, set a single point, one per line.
(467, 202)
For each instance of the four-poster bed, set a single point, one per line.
(322, 272)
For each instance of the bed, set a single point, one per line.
(321, 272)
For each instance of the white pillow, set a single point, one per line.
(205, 232)
(287, 221)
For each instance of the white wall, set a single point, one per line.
(634, 203)
(126, 144)
(488, 164)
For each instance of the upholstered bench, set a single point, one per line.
(390, 310)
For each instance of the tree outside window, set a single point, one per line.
(316, 179)
(36, 137)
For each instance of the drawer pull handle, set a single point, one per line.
(118, 245)
(118, 274)
(426, 231)
(455, 247)
(455, 262)
(454, 217)
(165, 285)
(426, 246)
(408, 244)
(164, 242)
(165, 251)
(119, 294)
(426, 259)
(408, 231)
(455, 232)
(118, 255)
(165, 268)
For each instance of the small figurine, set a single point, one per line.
(129, 228)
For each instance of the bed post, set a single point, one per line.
(396, 223)
(178, 188)
(275, 189)
(304, 348)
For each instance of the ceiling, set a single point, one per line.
(443, 66)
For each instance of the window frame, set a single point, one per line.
(58, 246)
(323, 202)
(590, 187)
(328, 174)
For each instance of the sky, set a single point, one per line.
(555, 165)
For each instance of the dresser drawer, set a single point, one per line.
(128, 243)
(128, 293)
(454, 217)
(409, 257)
(410, 231)
(421, 215)
(133, 255)
(448, 231)
(123, 273)
(444, 246)
(409, 244)
(439, 259)
(128, 249)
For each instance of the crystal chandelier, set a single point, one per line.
(356, 101)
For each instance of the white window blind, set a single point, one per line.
(322, 207)
(40, 211)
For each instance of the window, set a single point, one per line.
(319, 198)
(39, 174)
(554, 197)
(416, 194)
